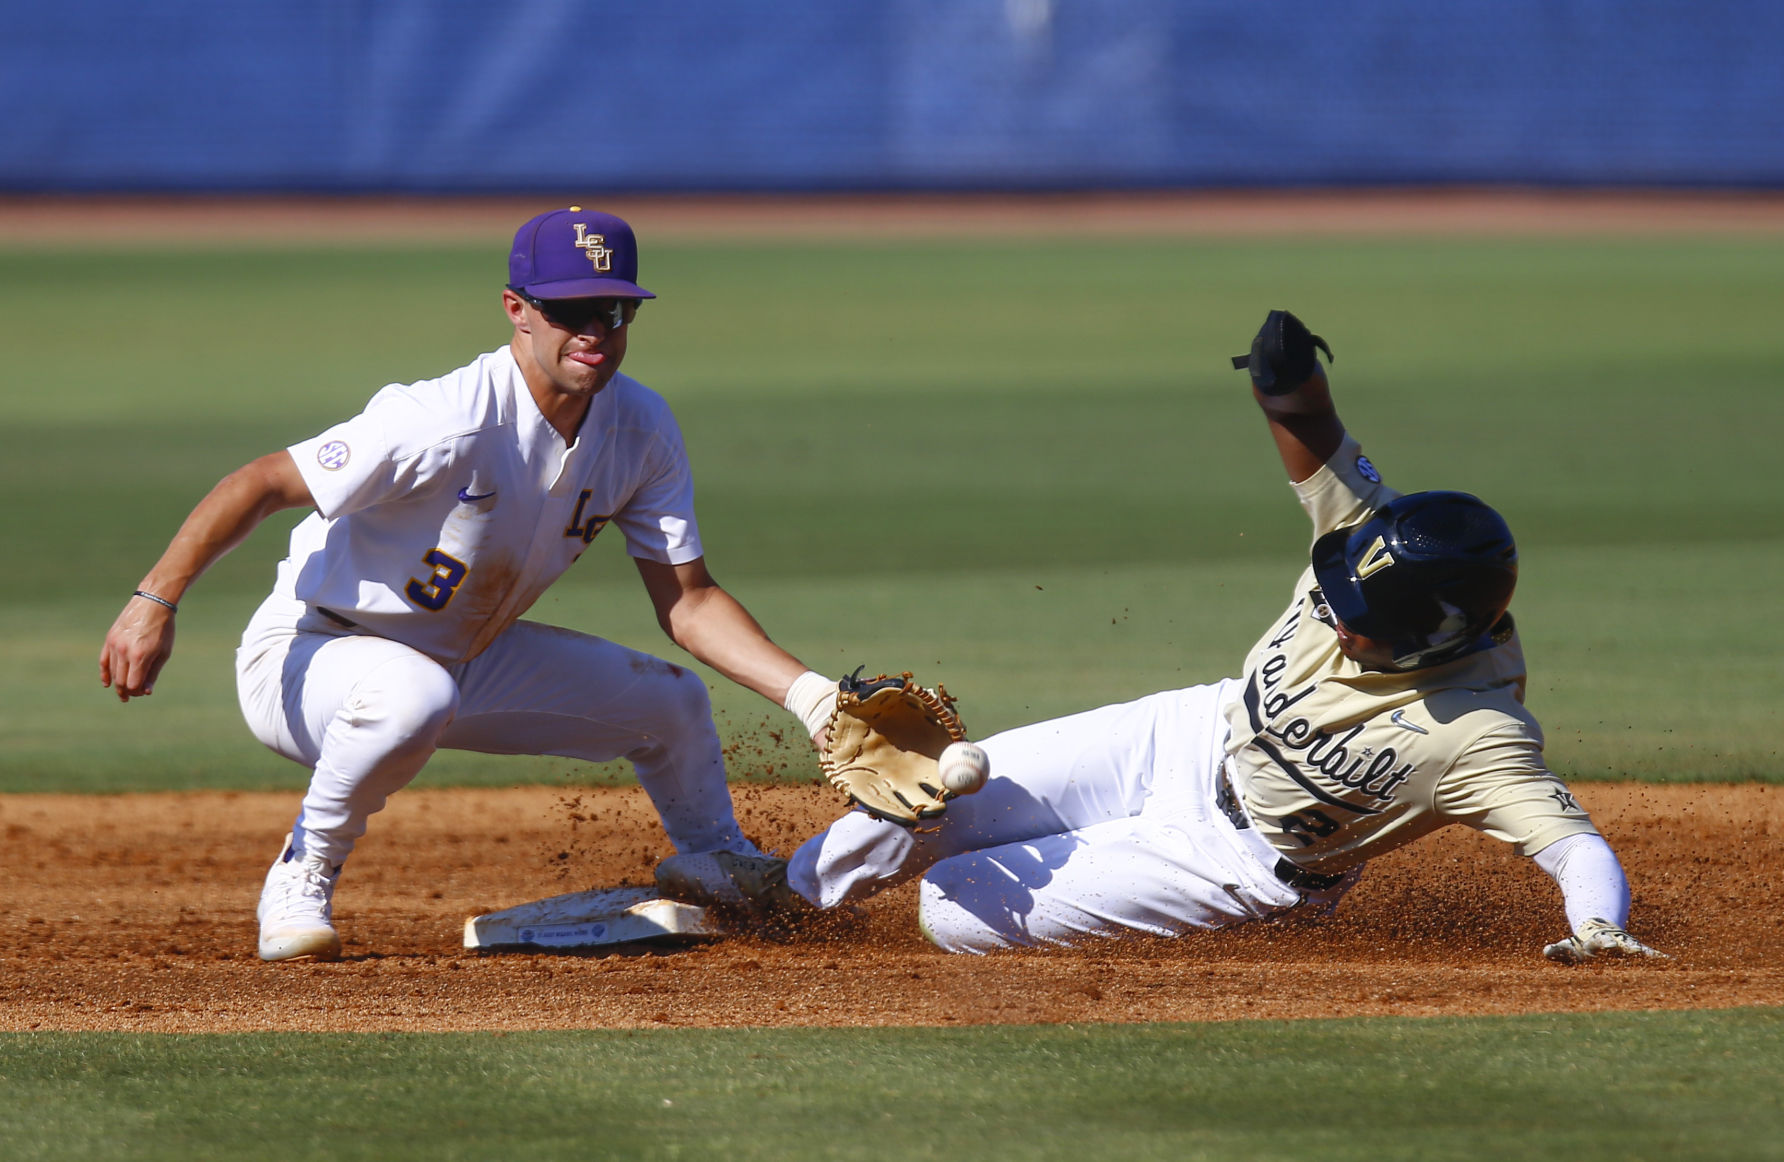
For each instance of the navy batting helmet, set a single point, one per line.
(1430, 574)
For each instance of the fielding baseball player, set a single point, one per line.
(442, 512)
(1385, 702)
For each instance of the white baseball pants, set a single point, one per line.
(1099, 824)
(365, 713)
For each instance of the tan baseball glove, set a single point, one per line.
(885, 735)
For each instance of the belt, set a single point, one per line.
(335, 617)
(1229, 802)
(1295, 877)
(1302, 880)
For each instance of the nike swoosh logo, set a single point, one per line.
(1398, 719)
(464, 494)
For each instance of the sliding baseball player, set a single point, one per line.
(1385, 702)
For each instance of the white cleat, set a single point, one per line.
(296, 909)
(729, 879)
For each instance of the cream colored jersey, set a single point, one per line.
(1336, 764)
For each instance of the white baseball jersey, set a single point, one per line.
(448, 506)
(1335, 764)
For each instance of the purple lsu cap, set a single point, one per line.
(575, 254)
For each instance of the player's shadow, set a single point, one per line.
(992, 871)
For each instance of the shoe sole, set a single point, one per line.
(315, 943)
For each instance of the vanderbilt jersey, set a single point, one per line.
(1335, 764)
(448, 506)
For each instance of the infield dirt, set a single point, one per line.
(136, 913)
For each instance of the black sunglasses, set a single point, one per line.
(577, 314)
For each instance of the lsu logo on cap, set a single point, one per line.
(1375, 559)
(595, 246)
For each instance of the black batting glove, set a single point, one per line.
(1282, 356)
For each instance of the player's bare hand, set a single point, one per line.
(138, 645)
(1599, 940)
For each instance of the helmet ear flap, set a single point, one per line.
(1343, 591)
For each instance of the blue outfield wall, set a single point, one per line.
(514, 95)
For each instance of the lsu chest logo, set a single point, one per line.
(586, 527)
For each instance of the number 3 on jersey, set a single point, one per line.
(436, 591)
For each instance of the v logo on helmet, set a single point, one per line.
(1375, 559)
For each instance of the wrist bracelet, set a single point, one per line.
(147, 596)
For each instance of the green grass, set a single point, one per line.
(1623, 1087)
(1029, 463)
(1026, 469)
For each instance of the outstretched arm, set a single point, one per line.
(1304, 425)
(1291, 387)
(141, 639)
(707, 622)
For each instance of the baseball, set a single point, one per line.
(965, 767)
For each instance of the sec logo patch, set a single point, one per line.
(1367, 470)
(333, 455)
